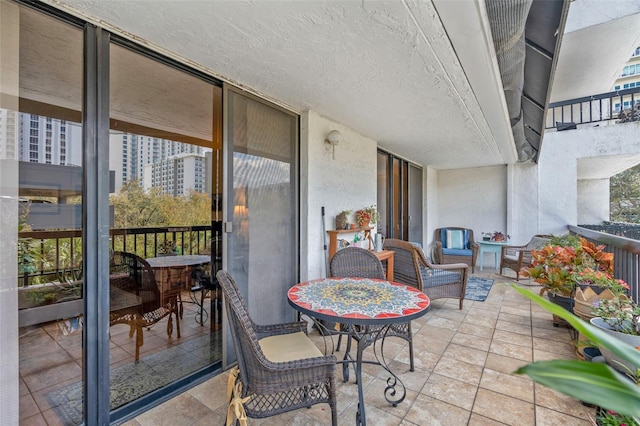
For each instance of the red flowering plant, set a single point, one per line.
(611, 418)
(558, 265)
(367, 215)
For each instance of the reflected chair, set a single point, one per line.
(518, 257)
(137, 299)
(455, 245)
(361, 263)
(281, 369)
(436, 281)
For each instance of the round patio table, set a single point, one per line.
(367, 307)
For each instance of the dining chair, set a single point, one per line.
(131, 276)
(281, 369)
(357, 262)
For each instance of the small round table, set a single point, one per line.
(367, 307)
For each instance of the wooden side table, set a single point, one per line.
(387, 255)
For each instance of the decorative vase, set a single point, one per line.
(364, 224)
(498, 239)
(612, 359)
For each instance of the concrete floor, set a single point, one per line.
(463, 376)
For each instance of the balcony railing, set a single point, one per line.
(626, 255)
(606, 108)
(57, 255)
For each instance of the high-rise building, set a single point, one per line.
(129, 154)
(177, 175)
(49, 140)
(629, 78)
(9, 145)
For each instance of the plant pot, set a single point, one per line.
(486, 238)
(566, 302)
(612, 359)
(586, 297)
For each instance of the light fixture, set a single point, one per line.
(333, 138)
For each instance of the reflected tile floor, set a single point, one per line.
(464, 363)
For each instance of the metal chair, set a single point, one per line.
(275, 380)
(361, 263)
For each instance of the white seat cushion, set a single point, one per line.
(288, 347)
(514, 258)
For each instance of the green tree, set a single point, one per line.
(136, 208)
(625, 196)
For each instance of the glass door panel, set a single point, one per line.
(165, 321)
(41, 156)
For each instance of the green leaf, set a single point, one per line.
(590, 382)
(594, 334)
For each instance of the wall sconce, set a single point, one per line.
(333, 138)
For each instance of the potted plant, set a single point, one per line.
(367, 215)
(486, 236)
(498, 236)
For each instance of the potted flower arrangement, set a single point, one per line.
(367, 215)
(558, 265)
(498, 236)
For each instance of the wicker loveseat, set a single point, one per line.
(518, 257)
(436, 281)
(455, 245)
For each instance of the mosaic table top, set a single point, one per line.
(358, 300)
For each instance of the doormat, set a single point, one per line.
(478, 288)
(133, 381)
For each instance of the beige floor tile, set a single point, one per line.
(431, 332)
(184, 407)
(454, 369)
(516, 386)
(430, 411)
(210, 393)
(504, 408)
(556, 401)
(513, 338)
(451, 391)
(566, 349)
(512, 351)
(413, 380)
(523, 311)
(512, 327)
(443, 323)
(516, 319)
(422, 343)
(557, 334)
(466, 354)
(478, 420)
(504, 364)
(545, 416)
(471, 341)
(480, 320)
(476, 330)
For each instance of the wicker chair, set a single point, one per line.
(281, 370)
(445, 253)
(131, 278)
(518, 257)
(436, 281)
(361, 263)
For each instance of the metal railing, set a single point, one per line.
(628, 230)
(626, 255)
(57, 255)
(603, 108)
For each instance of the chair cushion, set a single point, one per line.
(288, 347)
(436, 277)
(457, 252)
(512, 258)
(454, 238)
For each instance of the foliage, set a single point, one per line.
(602, 279)
(368, 214)
(611, 418)
(29, 253)
(622, 315)
(137, 208)
(557, 267)
(591, 382)
(624, 196)
(496, 236)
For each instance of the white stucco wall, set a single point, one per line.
(558, 184)
(430, 201)
(523, 201)
(347, 182)
(593, 201)
(473, 198)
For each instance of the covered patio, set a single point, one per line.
(463, 375)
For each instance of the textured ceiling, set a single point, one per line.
(419, 77)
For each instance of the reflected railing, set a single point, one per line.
(57, 255)
(626, 255)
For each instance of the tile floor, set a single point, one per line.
(463, 376)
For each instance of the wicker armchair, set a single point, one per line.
(281, 370)
(136, 298)
(446, 252)
(436, 281)
(518, 257)
(361, 263)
